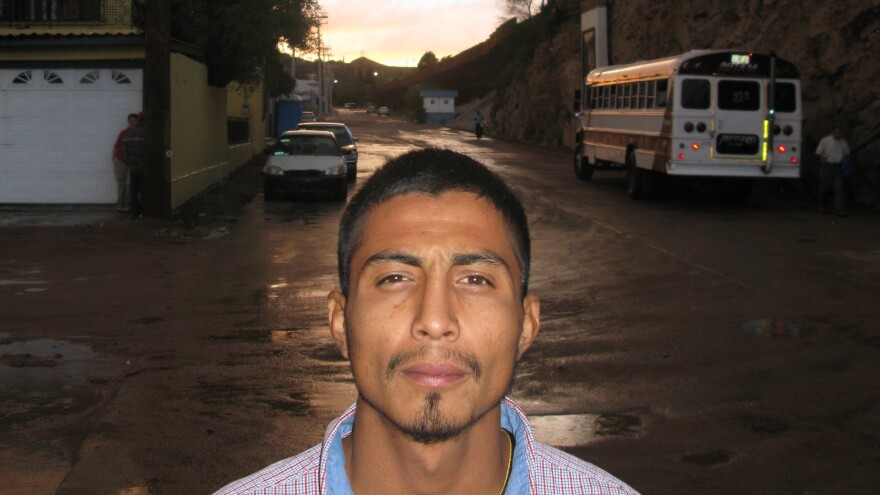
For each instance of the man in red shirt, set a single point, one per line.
(123, 196)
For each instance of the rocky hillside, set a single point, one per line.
(834, 44)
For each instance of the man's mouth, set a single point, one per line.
(434, 376)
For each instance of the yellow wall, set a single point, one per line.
(198, 130)
(235, 99)
(200, 154)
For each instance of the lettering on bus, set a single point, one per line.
(737, 144)
(734, 68)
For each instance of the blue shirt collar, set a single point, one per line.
(511, 420)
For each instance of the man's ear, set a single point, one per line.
(531, 323)
(336, 315)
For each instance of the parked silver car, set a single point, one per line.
(346, 141)
(305, 161)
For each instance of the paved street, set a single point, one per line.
(688, 345)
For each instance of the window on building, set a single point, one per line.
(91, 77)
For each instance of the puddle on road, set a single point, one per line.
(771, 328)
(46, 376)
(38, 379)
(22, 282)
(568, 430)
(707, 459)
(574, 430)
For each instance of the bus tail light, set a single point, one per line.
(794, 159)
(681, 156)
(776, 130)
(695, 147)
(781, 148)
(701, 127)
(787, 130)
(688, 127)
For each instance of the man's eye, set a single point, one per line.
(477, 280)
(392, 279)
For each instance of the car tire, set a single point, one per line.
(583, 169)
(352, 174)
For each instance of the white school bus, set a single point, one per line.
(720, 114)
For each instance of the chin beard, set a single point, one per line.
(431, 427)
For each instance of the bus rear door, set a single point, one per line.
(738, 119)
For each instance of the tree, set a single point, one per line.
(427, 60)
(522, 9)
(241, 39)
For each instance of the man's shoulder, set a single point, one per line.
(297, 475)
(559, 472)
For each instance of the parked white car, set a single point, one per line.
(305, 161)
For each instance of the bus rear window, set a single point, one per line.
(785, 97)
(695, 93)
(739, 95)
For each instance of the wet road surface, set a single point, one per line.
(687, 345)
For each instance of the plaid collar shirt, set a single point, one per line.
(538, 469)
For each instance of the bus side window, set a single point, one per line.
(606, 97)
(643, 93)
(612, 101)
(634, 95)
(627, 94)
(695, 94)
(662, 86)
(652, 88)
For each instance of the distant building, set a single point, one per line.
(439, 105)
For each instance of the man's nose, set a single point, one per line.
(436, 317)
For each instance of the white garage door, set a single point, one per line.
(57, 129)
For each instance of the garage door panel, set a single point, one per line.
(57, 139)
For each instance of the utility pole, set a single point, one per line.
(322, 77)
(157, 108)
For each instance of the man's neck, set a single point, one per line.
(380, 459)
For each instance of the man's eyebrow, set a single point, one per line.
(392, 257)
(480, 258)
(476, 258)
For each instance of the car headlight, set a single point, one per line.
(273, 170)
(336, 170)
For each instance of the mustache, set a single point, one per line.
(467, 361)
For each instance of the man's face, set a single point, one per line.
(837, 133)
(434, 322)
(132, 121)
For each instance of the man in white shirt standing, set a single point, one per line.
(832, 151)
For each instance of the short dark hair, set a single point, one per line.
(132, 116)
(432, 171)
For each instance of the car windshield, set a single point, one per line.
(342, 136)
(306, 145)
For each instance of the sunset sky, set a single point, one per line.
(399, 32)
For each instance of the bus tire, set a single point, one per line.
(636, 178)
(583, 169)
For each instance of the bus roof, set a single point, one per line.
(733, 63)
